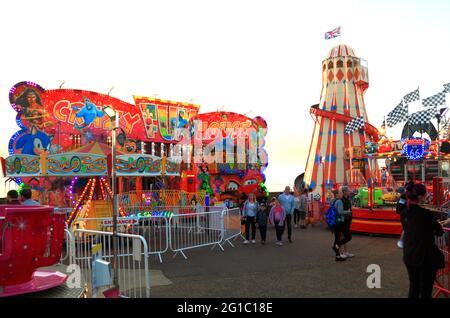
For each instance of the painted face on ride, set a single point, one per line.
(38, 146)
(31, 98)
(88, 104)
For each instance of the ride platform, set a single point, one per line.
(58, 291)
(376, 221)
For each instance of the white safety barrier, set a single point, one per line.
(194, 230)
(175, 228)
(232, 226)
(67, 251)
(132, 261)
(154, 229)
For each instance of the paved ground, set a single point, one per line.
(305, 268)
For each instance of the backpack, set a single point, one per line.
(331, 216)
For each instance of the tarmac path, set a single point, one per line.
(305, 268)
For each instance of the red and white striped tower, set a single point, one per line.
(344, 81)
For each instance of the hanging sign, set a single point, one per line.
(414, 148)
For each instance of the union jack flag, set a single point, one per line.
(333, 34)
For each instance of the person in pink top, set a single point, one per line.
(277, 217)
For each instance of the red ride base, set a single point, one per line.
(376, 221)
(31, 238)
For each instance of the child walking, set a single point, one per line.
(277, 217)
(261, 218)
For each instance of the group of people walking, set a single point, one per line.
(279, 212)
(421, 255)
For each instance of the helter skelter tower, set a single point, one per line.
(334, 156)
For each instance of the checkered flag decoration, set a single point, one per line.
(423, 116)
(435, 100)
(354, 124)
(447, 88)
(412, 97)
(445, 130)
(398, 115)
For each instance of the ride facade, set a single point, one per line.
(64, 153)
(65, 134)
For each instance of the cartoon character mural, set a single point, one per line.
(232, 180)
(205, 183)
(182, 122)
(34, 142)
(89, 112)
(218, 182)
(127, 145)
(30, 108)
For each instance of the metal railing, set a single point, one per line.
(232, 226)
(153, 228)
(442, 282)
(134, 273)
(194, 230)
(68, 247)
(155, 231)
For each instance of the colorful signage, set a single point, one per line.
(134, 165)
(23, 166)
(69, 164)
(414, 148)
(54, 120)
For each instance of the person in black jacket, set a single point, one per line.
(420, 254)
(261, 219)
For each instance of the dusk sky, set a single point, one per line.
(262, 57)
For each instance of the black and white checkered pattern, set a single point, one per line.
(355, 123)
(423, 116)
(447, 88)
(445, 130)
(435, 100)
(412, 97)
(398, 115)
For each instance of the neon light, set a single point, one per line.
(414, 148)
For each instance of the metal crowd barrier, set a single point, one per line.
(67, 251)
(194, 230)
(175, 228)
(148, 232)
(134, 273)
(155, 230)
(231, 225)
(442, 283)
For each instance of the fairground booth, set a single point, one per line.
(63, 152)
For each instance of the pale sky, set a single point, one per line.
(258, 56)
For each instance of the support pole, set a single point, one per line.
(115, 203)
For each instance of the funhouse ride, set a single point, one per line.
(347, 151)
(63, 152)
